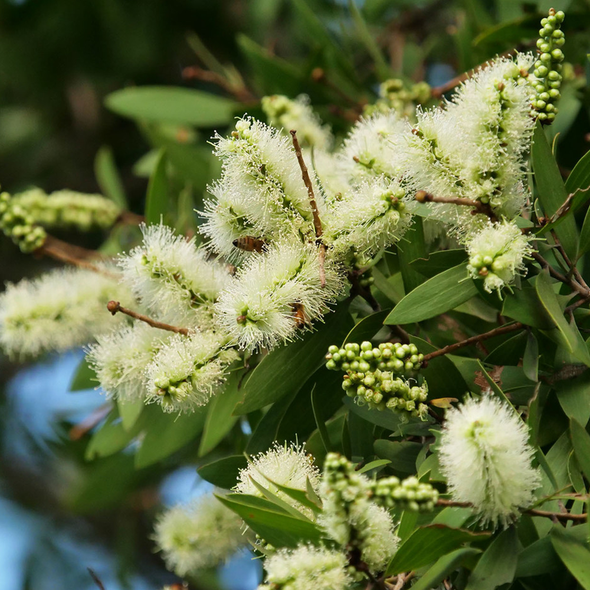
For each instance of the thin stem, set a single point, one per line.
(97, 416)
(532, 511)
(95, 578)
(584, 291)
(317, 222)
(240, 92)
(579, 278)
(474, 339)
(115, 306)
(319, 75)
(72, 255)
(478, 206)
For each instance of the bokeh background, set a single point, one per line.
(59, 59)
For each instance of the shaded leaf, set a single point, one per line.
(223, 473)
(156, 205)
(573, 553)
(108, 177)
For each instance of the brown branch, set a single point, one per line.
(73, 255)
(584, 291)
(317, 222)
(474, 339)
(197, 73)
(478, 206)
(96, 579)
(115, 306)
(438, 91)
(532, 511)
(572, 267)
(97, 416)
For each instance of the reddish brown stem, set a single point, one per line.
(474, 340)
(478, 206)
(115, 306)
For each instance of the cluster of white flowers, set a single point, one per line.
(497, 253)
(173, 278)
(200, 535)
(306, 568)
(284, 113)
(287, 465)
(486, 458)
(58, 310)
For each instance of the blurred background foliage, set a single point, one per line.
(72, 117)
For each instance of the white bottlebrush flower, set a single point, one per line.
(497, 253)
(58, 310)
(119, 359)
(200, 535)
(475, 146)
(349, 515)
(173, 278)
(288, 466)
(334, 184)
(486, 458)
(371, 217)
(186, 370)
(372, 148)
(66, 208)
(261, 175)
(306, 568)
(287, 114)
(276, 294)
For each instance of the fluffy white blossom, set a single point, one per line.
(276, 294)
(58, 310)
(475, 146)
(370, 218)
(186, 370)
(287, 114)
(200, 535)
(372, 148)
(306, 568)
(349, 515)
(497, 253)
(173, 278)
(119, 359)
(288, 466)
(486, 458)
(264, 195)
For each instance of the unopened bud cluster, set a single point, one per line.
(548, 67)
(17, 224)
(373, 375)
(68, 209)
(408, 494)
(394, 94)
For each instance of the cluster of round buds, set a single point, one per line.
(549, 66)
(408, 494)
(394, 94)
(19, 226)
(364, 358)
(372, 376)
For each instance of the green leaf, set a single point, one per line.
(167, 433)
(566, 334)
(585, 236)
(275, 527)
(285, 370)
(524, 306)
(438, 262)
(108, 177)
(579, 177)
(443, 567)
(530, 360)
(426, 544)
(320, 420)
(581, 443)
(169, 104)
(573, 553)
(299, 496)
(130, 411)
(220, 419)
(366, 328)
(272, 497)
(437, 295)
(410, 249)
(552, 191)
(402, 455)
(109, 439)
(156, 206)
(223, 473)
(374, 465)
(368, 40)
(386, 419)
(574, 397)
(497, 565)
(84, 377)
